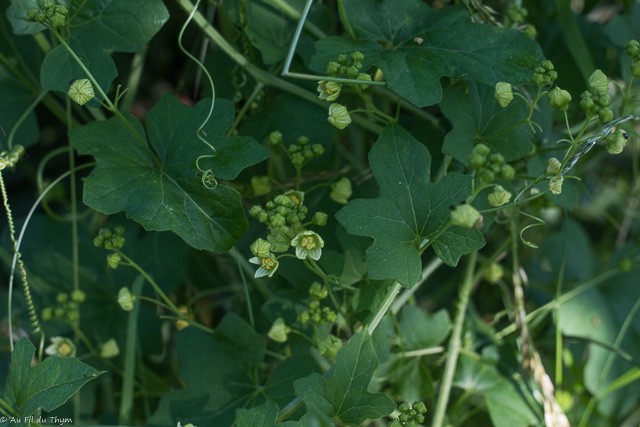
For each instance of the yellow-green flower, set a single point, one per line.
(62, 347)
(329, 90)
(268, 265)
(126, 299)
(308, 244)
(279, 331)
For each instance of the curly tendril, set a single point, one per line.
(207, 175)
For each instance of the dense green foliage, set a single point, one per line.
(299, 213)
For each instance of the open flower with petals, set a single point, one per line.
(268, 265)
(62, 347)
(308, 244)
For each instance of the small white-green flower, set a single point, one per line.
(268, 265)
(503, 93)
(339, 116)
(308, 244)
(279, 331)
(126, 299)
(555, 184)
(329, 90)
(62, 347)
(553, 166)
(109, 349)
(81, 91)
(499, 197)
(465, 215)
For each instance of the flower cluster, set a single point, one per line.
(49, 13)
(299, 153)
(596, 100)
(112, 241)
(284, 216)
(632, 48)
(489, 166)
(67, 307)
(544, 74)
(554, 169)
(515, 17)
(316, 314)
(410, 415)
(347, 66)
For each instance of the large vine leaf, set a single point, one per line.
(169, 194)
(415, 46)
(96, 28)
(477, 118)
(46, 385)
(344, 395)
(408, 210)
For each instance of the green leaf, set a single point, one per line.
(416, 46)
(600, 314)
(219, 372)
(97, 28)
(264, 416)
(477, 118)
(169, 195)
(344, 395)
(408, 210)
(504, 401)
(46, 385)
(420, 329)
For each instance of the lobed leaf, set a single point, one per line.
(408, 210)
(415, 46)
(169, 195)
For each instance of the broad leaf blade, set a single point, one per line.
(477, 118)
(47, 385)
(415, 46)
(409, 209)
(168, 196)
(344, 395)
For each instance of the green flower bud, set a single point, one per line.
(603, 99)
(507, 172)
(503, 93)
(80, 91)
(114, 260)
(62, 298)
(499, 196)
(343, 59)
(635, 68)
(277, 220)
(632, 48)
(255, 210)
(32, 14)
(109, 349)
(333, 69)
(329, 346)
(320, 219)
(598, 81)
(586, 101)
(486, 176)
(308, 153)
(553, 166)
(275, 137)
(616, 142)
(282, 200)
(48, 4)
(318, 292)
(41, 17)
(339, 116)
(78, 296)
(559, 98)
(465, 215)
(297, 159)
(365, 78)
(530, 31)
(496, 158)
(547, 65)
(341, 191)
(357, 56)
(352, 72)
(293, 218)
(420, 407)
(476, 160)
(565, 400)
(605, 115)
(58, 21)
(126, 299)
(318, 150)
(555, 185)
(303, 140)
(329, 90)
(270, 205)
(279, 331)
(260, 185)
(538, 79)
(61, 347)
(261, 248)
(481, 149)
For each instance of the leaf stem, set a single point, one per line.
(455, 342)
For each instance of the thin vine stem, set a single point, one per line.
(455, 342)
